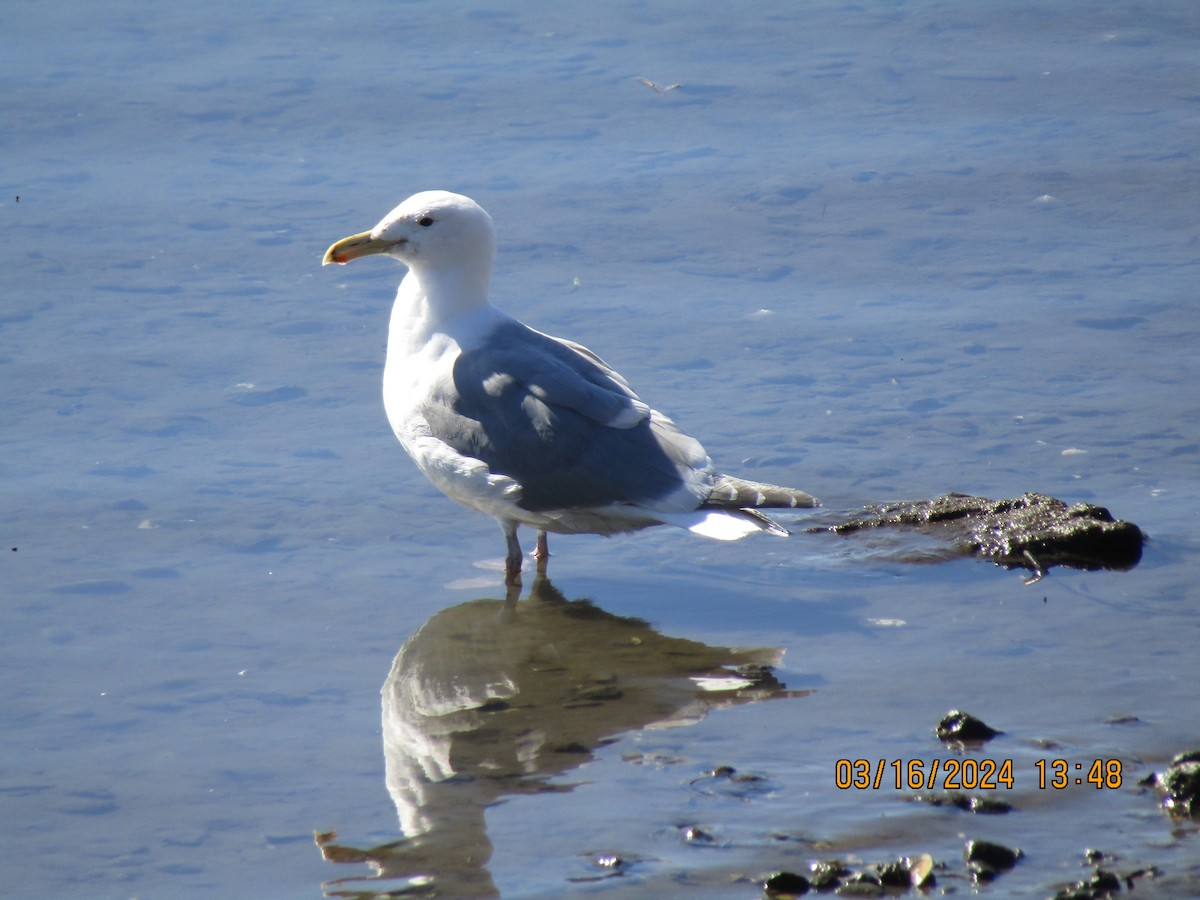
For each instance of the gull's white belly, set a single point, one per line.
(413, 373)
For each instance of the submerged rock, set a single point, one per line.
(1033, 531)
(1102, 884)
(967, 803)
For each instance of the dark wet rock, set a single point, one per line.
(785, 884)
(1181, 784)
(1103, 884)
(1033, 531)
(987, 860)
(895, 874)
(901, 873)
(968, 803)
(987, 806)
(827, 874)
(990, 854)
(862, 884)
(880, 880)
(957, 725)
(983, 875)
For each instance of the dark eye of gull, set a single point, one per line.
(425, 221)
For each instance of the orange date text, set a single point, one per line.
(965, 774)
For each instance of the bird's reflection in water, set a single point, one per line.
(493, 698)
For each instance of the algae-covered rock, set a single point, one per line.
(1032, 531)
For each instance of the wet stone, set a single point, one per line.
(920, 871)
(1101, 885)
(1181, 783)
(785, 884)
(1033, 531)
(862, 884)
(895, 874)
(987, 860)
(826, 875)
(957, 725)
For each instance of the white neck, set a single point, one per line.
(450, 292)
(433, 300)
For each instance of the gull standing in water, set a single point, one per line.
(528, 428)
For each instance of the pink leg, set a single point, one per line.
(541, 552)
(512, 559)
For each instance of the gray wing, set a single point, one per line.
(536, 409)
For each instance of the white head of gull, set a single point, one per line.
(528, 428)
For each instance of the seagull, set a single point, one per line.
(531, 429)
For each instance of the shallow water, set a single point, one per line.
(877, 251)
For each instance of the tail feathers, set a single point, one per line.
(737, 493)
